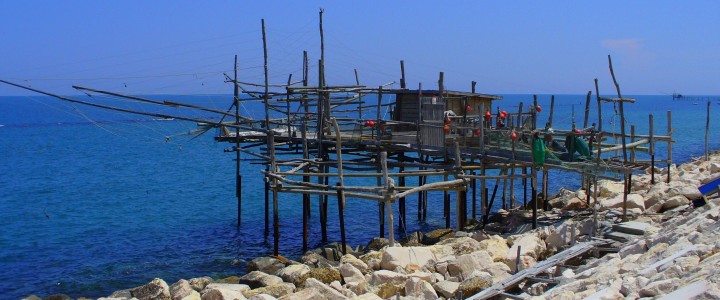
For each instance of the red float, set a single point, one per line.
(446, 128)
(468, 108)
(513, 136)
(476, 132)
(538, 108)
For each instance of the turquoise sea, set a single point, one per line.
(93, 201)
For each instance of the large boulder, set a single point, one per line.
(633, 201)
(156, 289)
(303, 295)
(218, 293)
(316, 260)
(660, 287)
(356, 262)
(609, 189)
(446, 288)
(267, 265)
(475, 284)
(562, 235)
(377, 243)
(384, 277)
(182, 290)
(461, 245)
(257, 279)
(466, 264)
(199, 284)
(437, 235)
(324, 275)
(275, 290)
(326, 291)
(674, 202)
(351, 274)
(530, 245)
(525, 262)
(419, 289)
(496, 247)
(292, 272)
(394, 257)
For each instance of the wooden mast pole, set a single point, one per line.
(238, 174)
(271, 148)
(306, 155)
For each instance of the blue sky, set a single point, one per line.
(155, 47)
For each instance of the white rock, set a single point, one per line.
(327, 292)
(675, 201)
(446, 289)
(155, 289)
(394, 257)
(714, 167)
(609, 189)
(530, 245)
(292, 272)
(221, 294)
(182, 290)
(384, 276)
(466, 264)
(496, 247)
(368, 296)
(414, 287)
(236, 287)
(658, 288)
(262, 297)
(350, 274)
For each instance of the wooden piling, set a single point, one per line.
(669, 148)
(238, 174)
(402, 74)
(401, 184)
(587, 109)
(651, 149)
(599, 107)
(552, 110)
(707, 133)
(474, 197)
(622, 111)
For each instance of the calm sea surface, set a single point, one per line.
(93, 201)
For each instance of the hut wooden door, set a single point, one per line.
(431, 125)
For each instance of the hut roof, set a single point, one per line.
(446, 92)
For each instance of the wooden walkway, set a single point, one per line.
(559, 258)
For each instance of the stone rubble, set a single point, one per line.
(670, 250)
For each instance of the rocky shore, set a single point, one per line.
(667, 248)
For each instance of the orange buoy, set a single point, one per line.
(446, 128)
(538, 108)
(513, 136)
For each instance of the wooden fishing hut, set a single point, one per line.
(314, 140)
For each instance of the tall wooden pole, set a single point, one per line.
(622, 111)
(707, 133)
(587, 109)
(306, 154)
(266, 102)
(552, 110)
(652, 149)
(599, 107)
(670, 144)
(402, 74)
(238, 175)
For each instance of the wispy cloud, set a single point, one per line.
(624, 45)
(632, 50)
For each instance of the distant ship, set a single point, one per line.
(677, 96)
